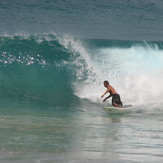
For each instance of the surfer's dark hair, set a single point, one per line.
(106, 82)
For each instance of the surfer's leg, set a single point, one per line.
(116, 101)
(115, 105)
(119, 102)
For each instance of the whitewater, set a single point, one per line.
(135, 70)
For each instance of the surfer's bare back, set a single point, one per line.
(116, 100)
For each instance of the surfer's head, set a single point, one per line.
(106, 83)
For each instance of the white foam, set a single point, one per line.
(136, 72)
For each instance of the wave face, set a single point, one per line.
(58, 70)
(31, 69)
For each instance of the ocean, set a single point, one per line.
(54, 57)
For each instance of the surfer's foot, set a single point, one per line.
(117, 106)
(120, 107)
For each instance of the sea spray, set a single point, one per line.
(83, 68)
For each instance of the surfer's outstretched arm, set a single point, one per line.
(105, 93)
(107, 98)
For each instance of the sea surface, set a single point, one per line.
(54, 57)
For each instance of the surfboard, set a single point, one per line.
(113, 109)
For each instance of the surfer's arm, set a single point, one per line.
(107, 98)
(105, 93)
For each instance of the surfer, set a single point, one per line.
(116, 100)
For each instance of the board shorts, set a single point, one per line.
(116, 99)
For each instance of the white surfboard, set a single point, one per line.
(113, 109)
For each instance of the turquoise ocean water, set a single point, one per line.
(54, 57)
